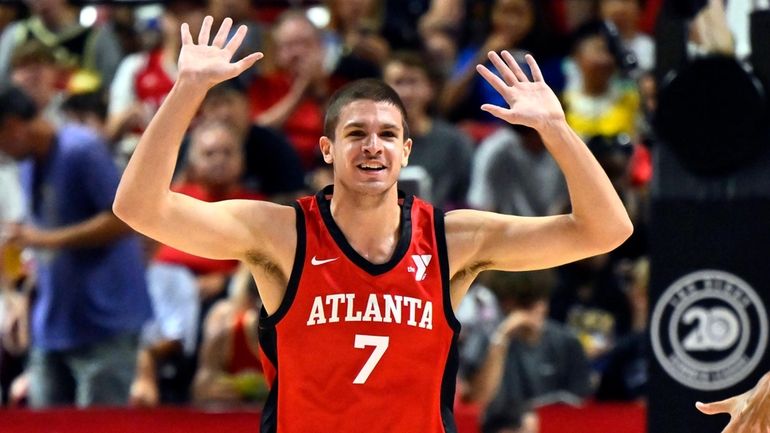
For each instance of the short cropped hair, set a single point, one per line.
(414, 59)
(368, 89)
(32, 52)
(292, 15)
(15, 102)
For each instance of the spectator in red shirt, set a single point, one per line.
(292, 97)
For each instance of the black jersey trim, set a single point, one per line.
(402, 247)
(296, 273)
(269, 421)
(443, 257)
(268, 336)
(448, 383)
(449, 380)
(269, 418)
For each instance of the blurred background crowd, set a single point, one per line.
(91, 314)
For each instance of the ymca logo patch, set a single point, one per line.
(709, 330)
(420, 266)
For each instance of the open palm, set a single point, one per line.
(749, 412)
(531, 102)
(211, 64)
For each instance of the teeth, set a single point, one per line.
(371, 166)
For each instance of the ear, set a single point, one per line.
(326, 146)
(407, 152)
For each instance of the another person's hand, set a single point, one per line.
(710, 30)
(749, 412)
(523, 324)
(207, 64)
(19, 391)
(25, 235)
(144, 393)
(531, 103)
(211, 285)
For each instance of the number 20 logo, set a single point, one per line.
(717, 329)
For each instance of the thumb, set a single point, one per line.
(247, 62)
(723, 406)
(499, 112)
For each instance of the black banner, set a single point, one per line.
(709, 292)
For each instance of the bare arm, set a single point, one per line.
(276, 116)
(211, 382)
(144, 200)
(96, 231)
(258, 232)
(442, 13)
(598, 222)
(486, 382)
(309, 78)
(144, 389)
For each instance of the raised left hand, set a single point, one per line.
(531, 102)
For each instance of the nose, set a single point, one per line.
(372, 145)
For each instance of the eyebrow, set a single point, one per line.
(363, 125)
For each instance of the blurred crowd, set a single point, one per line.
(92, 314)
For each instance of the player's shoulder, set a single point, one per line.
(461, 228)
(465, 219)
(275, 214)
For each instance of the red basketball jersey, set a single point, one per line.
(360, 347)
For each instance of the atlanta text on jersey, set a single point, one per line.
(384, 308)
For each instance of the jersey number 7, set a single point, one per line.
(380, 344)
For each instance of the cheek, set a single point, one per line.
(425, 93)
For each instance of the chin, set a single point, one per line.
(370, 187)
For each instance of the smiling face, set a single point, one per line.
(368, 148)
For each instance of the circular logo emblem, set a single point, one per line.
(709, 330)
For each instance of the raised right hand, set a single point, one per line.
(749, 412)
(209, 65)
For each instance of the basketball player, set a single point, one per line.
(359, 284)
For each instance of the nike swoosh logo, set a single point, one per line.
(315, 262)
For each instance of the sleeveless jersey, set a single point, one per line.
(356, 346)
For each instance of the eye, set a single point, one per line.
(389, 134)
(356, 133)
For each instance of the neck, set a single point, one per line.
(595, 87)
(41, 138)
(370, 223)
